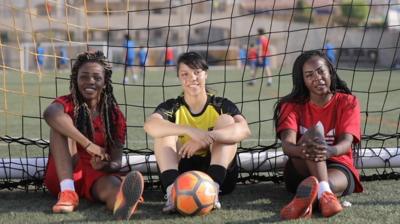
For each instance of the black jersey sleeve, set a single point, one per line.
(167, 109)
(228, 107)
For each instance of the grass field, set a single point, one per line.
(257, 203)
(24, 97)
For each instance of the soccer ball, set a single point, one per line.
(194, 193)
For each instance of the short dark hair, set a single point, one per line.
(193, 60)
(260, 31)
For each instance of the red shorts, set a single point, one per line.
(84, 177)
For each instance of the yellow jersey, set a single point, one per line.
(178, 112)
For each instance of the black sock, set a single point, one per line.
(168, 177)
(217, 173)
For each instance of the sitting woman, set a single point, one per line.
(317, 124)
(196, 131)
(87, 132)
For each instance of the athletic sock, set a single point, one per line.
(323, 186)
(67, 184)
(217, 173)
(168, 177)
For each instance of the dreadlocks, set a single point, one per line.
(107, 103)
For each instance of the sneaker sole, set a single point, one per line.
(64, 209)
(308, 189)
(307, 192)
(132, 190)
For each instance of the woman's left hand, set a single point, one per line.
(97, 163)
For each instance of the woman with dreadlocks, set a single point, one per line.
(87, 132)
(317, 123)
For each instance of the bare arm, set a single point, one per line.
(157, 127)
(311, 149)
(111, 166)
(289, 144)
(230, 134)
(57, 119)
(61, 122)
(233, 133)
(342, 146)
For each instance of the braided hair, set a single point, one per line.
(107, 103)
(300, 94)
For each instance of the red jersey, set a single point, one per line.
(263, 42)
(99, 137)
(339, 116)
(84, 176)
(169, 54)
(252, 54)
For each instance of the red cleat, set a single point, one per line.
(129, 196)
(67, 202)
(329, 205)
(301, 205)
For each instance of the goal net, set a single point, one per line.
(39, 41)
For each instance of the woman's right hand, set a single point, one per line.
(313, 149)
(202, 137)
(95, 150)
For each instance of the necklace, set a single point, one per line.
(94, 113)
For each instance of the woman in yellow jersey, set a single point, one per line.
(196, 131)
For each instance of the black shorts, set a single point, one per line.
(293, 178)
(203, 163)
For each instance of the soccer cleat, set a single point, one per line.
(169, 206)
(329, 205)
(126, 80)
(251, 82)
(67, 202)
(301, 205)
(129, 195)
(134, 78)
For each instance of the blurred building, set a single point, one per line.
(182, 24)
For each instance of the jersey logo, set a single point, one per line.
(329, 137)
(168, 113)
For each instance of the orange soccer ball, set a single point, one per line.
(194, 193)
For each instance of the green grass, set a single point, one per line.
(257, 203)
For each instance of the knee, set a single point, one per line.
(223, 121)
(106, 188)
(165, 144)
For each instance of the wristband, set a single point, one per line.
(87, 145)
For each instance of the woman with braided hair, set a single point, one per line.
(87, 132)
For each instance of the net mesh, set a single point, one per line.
(40, 39)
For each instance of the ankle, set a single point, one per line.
(67, 185)
(323, 187)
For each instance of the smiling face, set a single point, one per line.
(193, 81)
(317, 77)
(91, 82)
